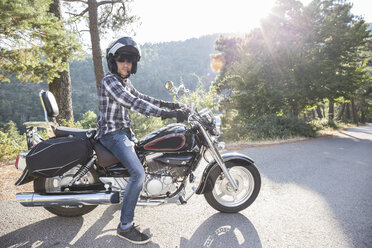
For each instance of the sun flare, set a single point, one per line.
(181, 20)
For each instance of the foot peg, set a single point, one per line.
(182, 200)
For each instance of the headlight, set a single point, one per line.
(218, 122)
(214, 121)
(207, 114)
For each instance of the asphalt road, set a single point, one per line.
(315, 193)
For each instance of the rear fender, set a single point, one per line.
(206, 184)
(25, 178)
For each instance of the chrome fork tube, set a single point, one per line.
(217, 156)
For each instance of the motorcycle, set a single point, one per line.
(72, 173)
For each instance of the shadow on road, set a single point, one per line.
(224, 230)
(46, 233)
(219, 230)
(62, 232)
(338, 168)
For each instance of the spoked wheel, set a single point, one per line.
(54, 184)
(224, 198)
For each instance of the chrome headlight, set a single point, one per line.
(218, 123)
(214, 121)
(207, 114)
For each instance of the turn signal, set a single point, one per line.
(20, 163)
(16, 162)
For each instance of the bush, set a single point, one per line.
(89, 120)
(279, 127)
(324, 124)
(270, 127)
(11, 142)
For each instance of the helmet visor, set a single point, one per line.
(122, 57)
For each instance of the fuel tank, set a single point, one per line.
(171, 138)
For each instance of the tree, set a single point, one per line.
(266, 71)
(37, 48)
(61, 85)
(31, 36)
(113, 16)
(298, 58)
(340, 49)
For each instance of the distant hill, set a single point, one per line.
(177, 61)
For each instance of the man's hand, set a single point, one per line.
(173, 106)
(180, 115)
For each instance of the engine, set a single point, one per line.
(164, 172)
(157, 186)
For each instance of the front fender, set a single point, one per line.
(206, 185)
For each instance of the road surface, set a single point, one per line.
(315, 193)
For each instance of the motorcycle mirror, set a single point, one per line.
(169, 85)
(181, 90)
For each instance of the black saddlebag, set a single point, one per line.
(55, 156)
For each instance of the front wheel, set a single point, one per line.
(223, 197)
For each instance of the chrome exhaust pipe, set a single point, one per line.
(149, 203)
(49, 200)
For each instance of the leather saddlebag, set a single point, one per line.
(55, 156)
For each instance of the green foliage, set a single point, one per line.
(34, 41)
(71, 123)
(89, 120)
(203, 98)
(11, 142)
(271, 127)
(84, 93)
(20, 101)
(143, 125)
(324, 124)
(187, 61)
(300, 56)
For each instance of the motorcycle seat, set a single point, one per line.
(104, 157)
(76, 132)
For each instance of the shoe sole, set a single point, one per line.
(133, 241)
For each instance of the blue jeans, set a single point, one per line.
(121, 145)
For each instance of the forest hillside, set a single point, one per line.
(187, 61)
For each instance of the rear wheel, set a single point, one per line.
(54, 184)
(223, 197)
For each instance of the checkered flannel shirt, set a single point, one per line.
(115, 99)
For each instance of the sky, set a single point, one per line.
(174, 20)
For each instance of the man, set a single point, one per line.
(116, 97)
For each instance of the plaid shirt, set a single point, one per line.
(115, 99)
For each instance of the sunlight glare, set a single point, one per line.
(179, 20)
(218, 62)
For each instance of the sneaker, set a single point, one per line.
(133, 235)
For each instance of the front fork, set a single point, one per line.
(217, 156)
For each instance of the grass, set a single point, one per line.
(327, 130)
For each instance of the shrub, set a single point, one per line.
(324, 124)
(11, 142)
(70, 123)
(89, 120)
(270, 127)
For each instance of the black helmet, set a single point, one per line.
(124, 45)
